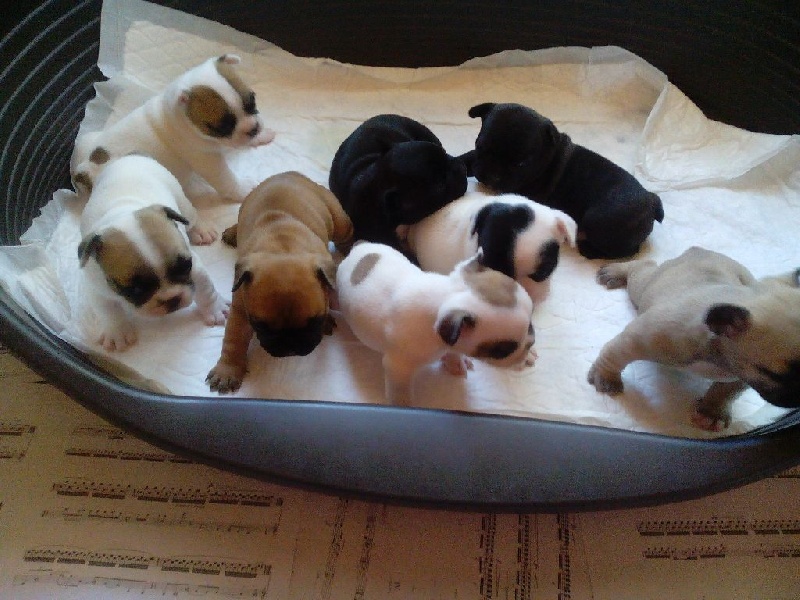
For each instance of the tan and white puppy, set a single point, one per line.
(284, 273)
(518, 237)
(705, 311)
(415, 318)
(186, 128)
(135, 257)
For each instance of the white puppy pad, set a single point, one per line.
(726, 189)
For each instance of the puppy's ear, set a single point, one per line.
(566, 229)
(326, 273)
(174, 215)
(241, 275)
(728, 320)
(89, 246)
(453, 324)
(481, 110)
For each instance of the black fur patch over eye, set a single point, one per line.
(497, 225)
(139, 289)
(224, 128)
(249, 104)
(548, 260)
(180, 271)
(496, 350)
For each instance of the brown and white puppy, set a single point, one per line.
(186, 128)
(517, 236)
(705, 311)
(284, 273)
(415, 318)
(135, 257)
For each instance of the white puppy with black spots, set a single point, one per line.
(518, 237)
(186, 128)
(414, 318)
(134, 253)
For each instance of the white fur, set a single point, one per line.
(161, 128)
(444, 239)
(126, 185)
(397, 309)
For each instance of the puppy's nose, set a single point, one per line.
(254, 131)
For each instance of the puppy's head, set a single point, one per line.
(420, 179)
(515, 145)
(521, 238)
(145, 260)
(286, 299)
(221, 106)
(760, 341)
(490, 320)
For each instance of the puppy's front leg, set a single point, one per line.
(213, 168)
(713, 411)
(638, 341)
(231, 367)
(213, 308)
(398, 376)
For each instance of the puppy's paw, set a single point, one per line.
(711, 421)
(606, 383)
(225, 378)
(215, 312)
(117, 338)
(202, 234)
(457, 364)
(612, 277)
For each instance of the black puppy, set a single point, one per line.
(393, 171)
(520, 151)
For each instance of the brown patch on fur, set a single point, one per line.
(232, 77)
(161, 231)
(492, 286)
(119, 257)
(364, 267)
(209, 112)
(82, 179)
(99, 156)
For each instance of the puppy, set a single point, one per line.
(517, 236)
(284, 273)
(520, 151)
(705, 311)
(393, 171)
(414, 318)
(135, 258)
(186, 128)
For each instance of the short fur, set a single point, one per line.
(414, 318)
(186, 128)
(516, 235)
(520, 151)
(393, 171)
(284, 273)
(705, 311)
(134, 256)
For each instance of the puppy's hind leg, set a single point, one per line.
(634, 274)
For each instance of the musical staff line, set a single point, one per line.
(159, 520)
(201, 496)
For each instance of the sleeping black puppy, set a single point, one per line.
(393, 171)
(520, 151)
